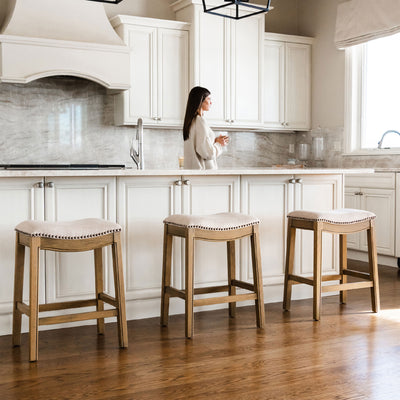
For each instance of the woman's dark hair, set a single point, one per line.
(196, 97)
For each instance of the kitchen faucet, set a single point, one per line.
(137, 155)
(389, 131)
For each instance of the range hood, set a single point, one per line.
(42, 38)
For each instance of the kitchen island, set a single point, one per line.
(139, 201)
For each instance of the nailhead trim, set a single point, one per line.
(209, 228)
(333, 222)
(48, 236)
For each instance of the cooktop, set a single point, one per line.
(62, 166)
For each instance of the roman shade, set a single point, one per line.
(358, 21)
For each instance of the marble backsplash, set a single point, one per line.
(71, 120)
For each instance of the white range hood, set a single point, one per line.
(41, 38)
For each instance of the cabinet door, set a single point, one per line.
(274, 84)
(20, 199)
(352, 200)
(173, 76)
(380, 202)
(298, 86)
(140, 100)
(212, 67)
(208, 195)
(317, 193)
(246, 71)
(70, 276)
(268, 198)
(143, 203)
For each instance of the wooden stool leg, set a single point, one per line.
(18, 289)
(231, 275)
(343, 265)
(189, 283)
(120, 290)
(373, 267)
(317, 271)
(290, 246)
(34, 299)
(166, 276)
(257, 275)
(98, 269)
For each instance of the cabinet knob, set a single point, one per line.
(292, 180)
(50, 184)
(299, 180)
(186, 182)
(39, 185)
(178, 183)
(232, 121)
(286, 123)
(282, 123)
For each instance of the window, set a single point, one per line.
(373, 95)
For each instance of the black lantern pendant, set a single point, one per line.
(242, 8)
(108, 1)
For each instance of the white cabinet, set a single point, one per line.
(20, 199)
(61, 274)
(271, 198)
(159, 52)
(70, 198)
(375, 193)
(143, 203)
(226, 58)
(287, 82)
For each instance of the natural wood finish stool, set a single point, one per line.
(73, 236)
(223, 227)
(342, 222)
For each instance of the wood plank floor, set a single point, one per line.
(351, 354)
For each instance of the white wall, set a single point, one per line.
(283, 18)
(317, 18)
(143, 8)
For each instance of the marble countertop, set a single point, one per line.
(174, 172)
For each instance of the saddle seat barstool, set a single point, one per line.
(72, 236)
(341, 222)
(222, 227)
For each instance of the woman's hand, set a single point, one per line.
(222, 140)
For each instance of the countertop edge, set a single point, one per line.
(179, 172)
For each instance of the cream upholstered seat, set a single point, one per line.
(341, 222)
(70, 236)
(72, 230)
(225, 227)
(338, 216)
(218, 222)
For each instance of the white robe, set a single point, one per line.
(200, 150)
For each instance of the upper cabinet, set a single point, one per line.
(287, 82)
(227, 59)
(159, 52)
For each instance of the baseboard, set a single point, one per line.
(363, 256)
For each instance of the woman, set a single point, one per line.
(201, 147)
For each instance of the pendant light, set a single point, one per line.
(108, 1)
(242, 8)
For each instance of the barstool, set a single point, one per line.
(342, 222)
(222, 227)
(73, 236)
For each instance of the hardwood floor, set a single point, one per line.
(351, 354)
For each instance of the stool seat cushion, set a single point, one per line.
(213, 222)
(79, 229)
(339, 216)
